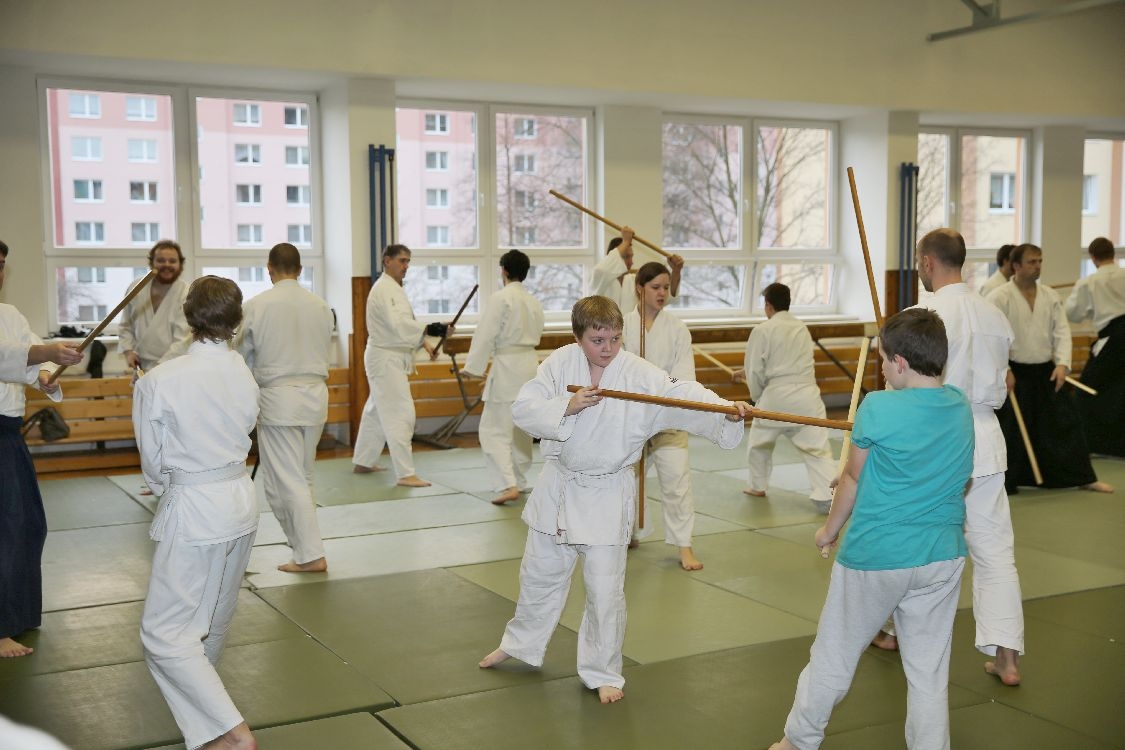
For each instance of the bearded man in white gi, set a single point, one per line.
(23, 524)
(152, 328)
(584, 502)
(608, 278)
(192, 417)
(286, 340)
(781, 375)
(509, 331)
(393, 335)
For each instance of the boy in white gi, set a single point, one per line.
(193, 416)
(668, 346)
(508, 332)
(584, 502)
(911, 457)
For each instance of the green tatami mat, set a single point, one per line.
(110, 634)
(336, 484)
(706, 456)
(382, 554)
(103, 565)
(420, 635)
(1100, 612)
(732, 699)
(348, 732)
(358, 519)
(722, 497)
(1083, 525)
(477, 479)
(88, 501)
(119, 706)
(654, 520)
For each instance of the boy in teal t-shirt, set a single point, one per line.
(903, 488)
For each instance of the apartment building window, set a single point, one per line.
(297, 195)
(142, 150)
(526, 199)
(438, 306)
(1001, 194)
(92, 312)
(300, 234)
(525, 127)
(437, 161)
(437, 124)
(525, 236)
(1089, 194)
(85, 105)
(297, 156)
(142, 192)
(142, 108)
(85, 148)
(89, 232)
(296, 117)
(252, 274)
(1103, 194)
(437, 272)
(247, 114)
(437, 198)
(88, 191)
(249, 234)
(91, 275)
(247, 153)
(145, 232)
(437, 236)
(523, 163)
(248, 195)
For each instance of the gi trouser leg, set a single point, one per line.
(997, 600)
(288, 455)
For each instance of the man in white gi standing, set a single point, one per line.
(509, 331)
(192, 417)
(152, 328)
(608, 275)
(286, 340)
(1003, 270)
(781, 375)
(393, 335)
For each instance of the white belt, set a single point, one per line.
(232, 471)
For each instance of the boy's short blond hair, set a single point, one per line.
(595, 312)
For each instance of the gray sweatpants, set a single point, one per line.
(923, 601)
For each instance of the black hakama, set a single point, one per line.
(1103, 416)
(23, 530)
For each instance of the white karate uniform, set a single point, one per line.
(393, 335)
(16, 339)
(995, 281)
(509, 331)
(979, 339)
(155, 336)
(1100, 296)
(286, 340)
(606, 281)
(583, 504)
(668, 346)
(782, 377)
(1041, 334)
(193, 417)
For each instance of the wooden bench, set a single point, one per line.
(100, 411)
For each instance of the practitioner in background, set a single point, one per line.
(152, 328)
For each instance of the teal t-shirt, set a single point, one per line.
(910, 506)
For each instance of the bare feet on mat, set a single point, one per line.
(885, 641)
(688, 560)
(359, 469)
(319, 565)
(145, 490)
(1098, 487)
(496, 657)
(1006, 666)
(239, 737)
(9, 649)
(609, 694)
(754, 493)
(785, 744)
(412, 481)
(506, 496)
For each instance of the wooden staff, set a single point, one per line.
(1026, 438)
(444, 336)
(641, 463)
(679, 403)
(712, 360)
(1063, 286)
(866, 252)
(108, 319)
(857, 387)
(607, 222)
(1081, 386)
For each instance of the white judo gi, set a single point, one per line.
(393, 335)
(782, 377)
(508, 332)
(155, 336)
(979, 339)
(192, 417)
(606, 281)
(995, 281)
(668, 346)
(286, 340)
(583, 504)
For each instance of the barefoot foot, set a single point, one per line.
(1006, 666)
(609, 694)
(885, 641)
(319, 565)
(1098, 487)
(360, 469)
(10, 649)
(754, 493)
(506, 496)
(496, 657)
(688, 560)
(412, 481)
(785, 744)
(239, 737)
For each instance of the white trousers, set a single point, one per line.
(812, 442)
(506, 448)
(923, 601)
(388, 418)
(997, 600)
(668, 451)
(191, 599)
(545, 574)
(288, 455)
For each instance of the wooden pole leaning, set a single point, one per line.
(1067, 285)
(444, 336)
(1026, 438)
(1081, 386)
(866, 251)
(712, 360)
(857, 387)
(108, 319)
(641, 463)
(609, 223)
(679, 403)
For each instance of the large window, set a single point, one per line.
(118, 161)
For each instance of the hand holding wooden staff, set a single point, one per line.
(450, 327)
(845, 449)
